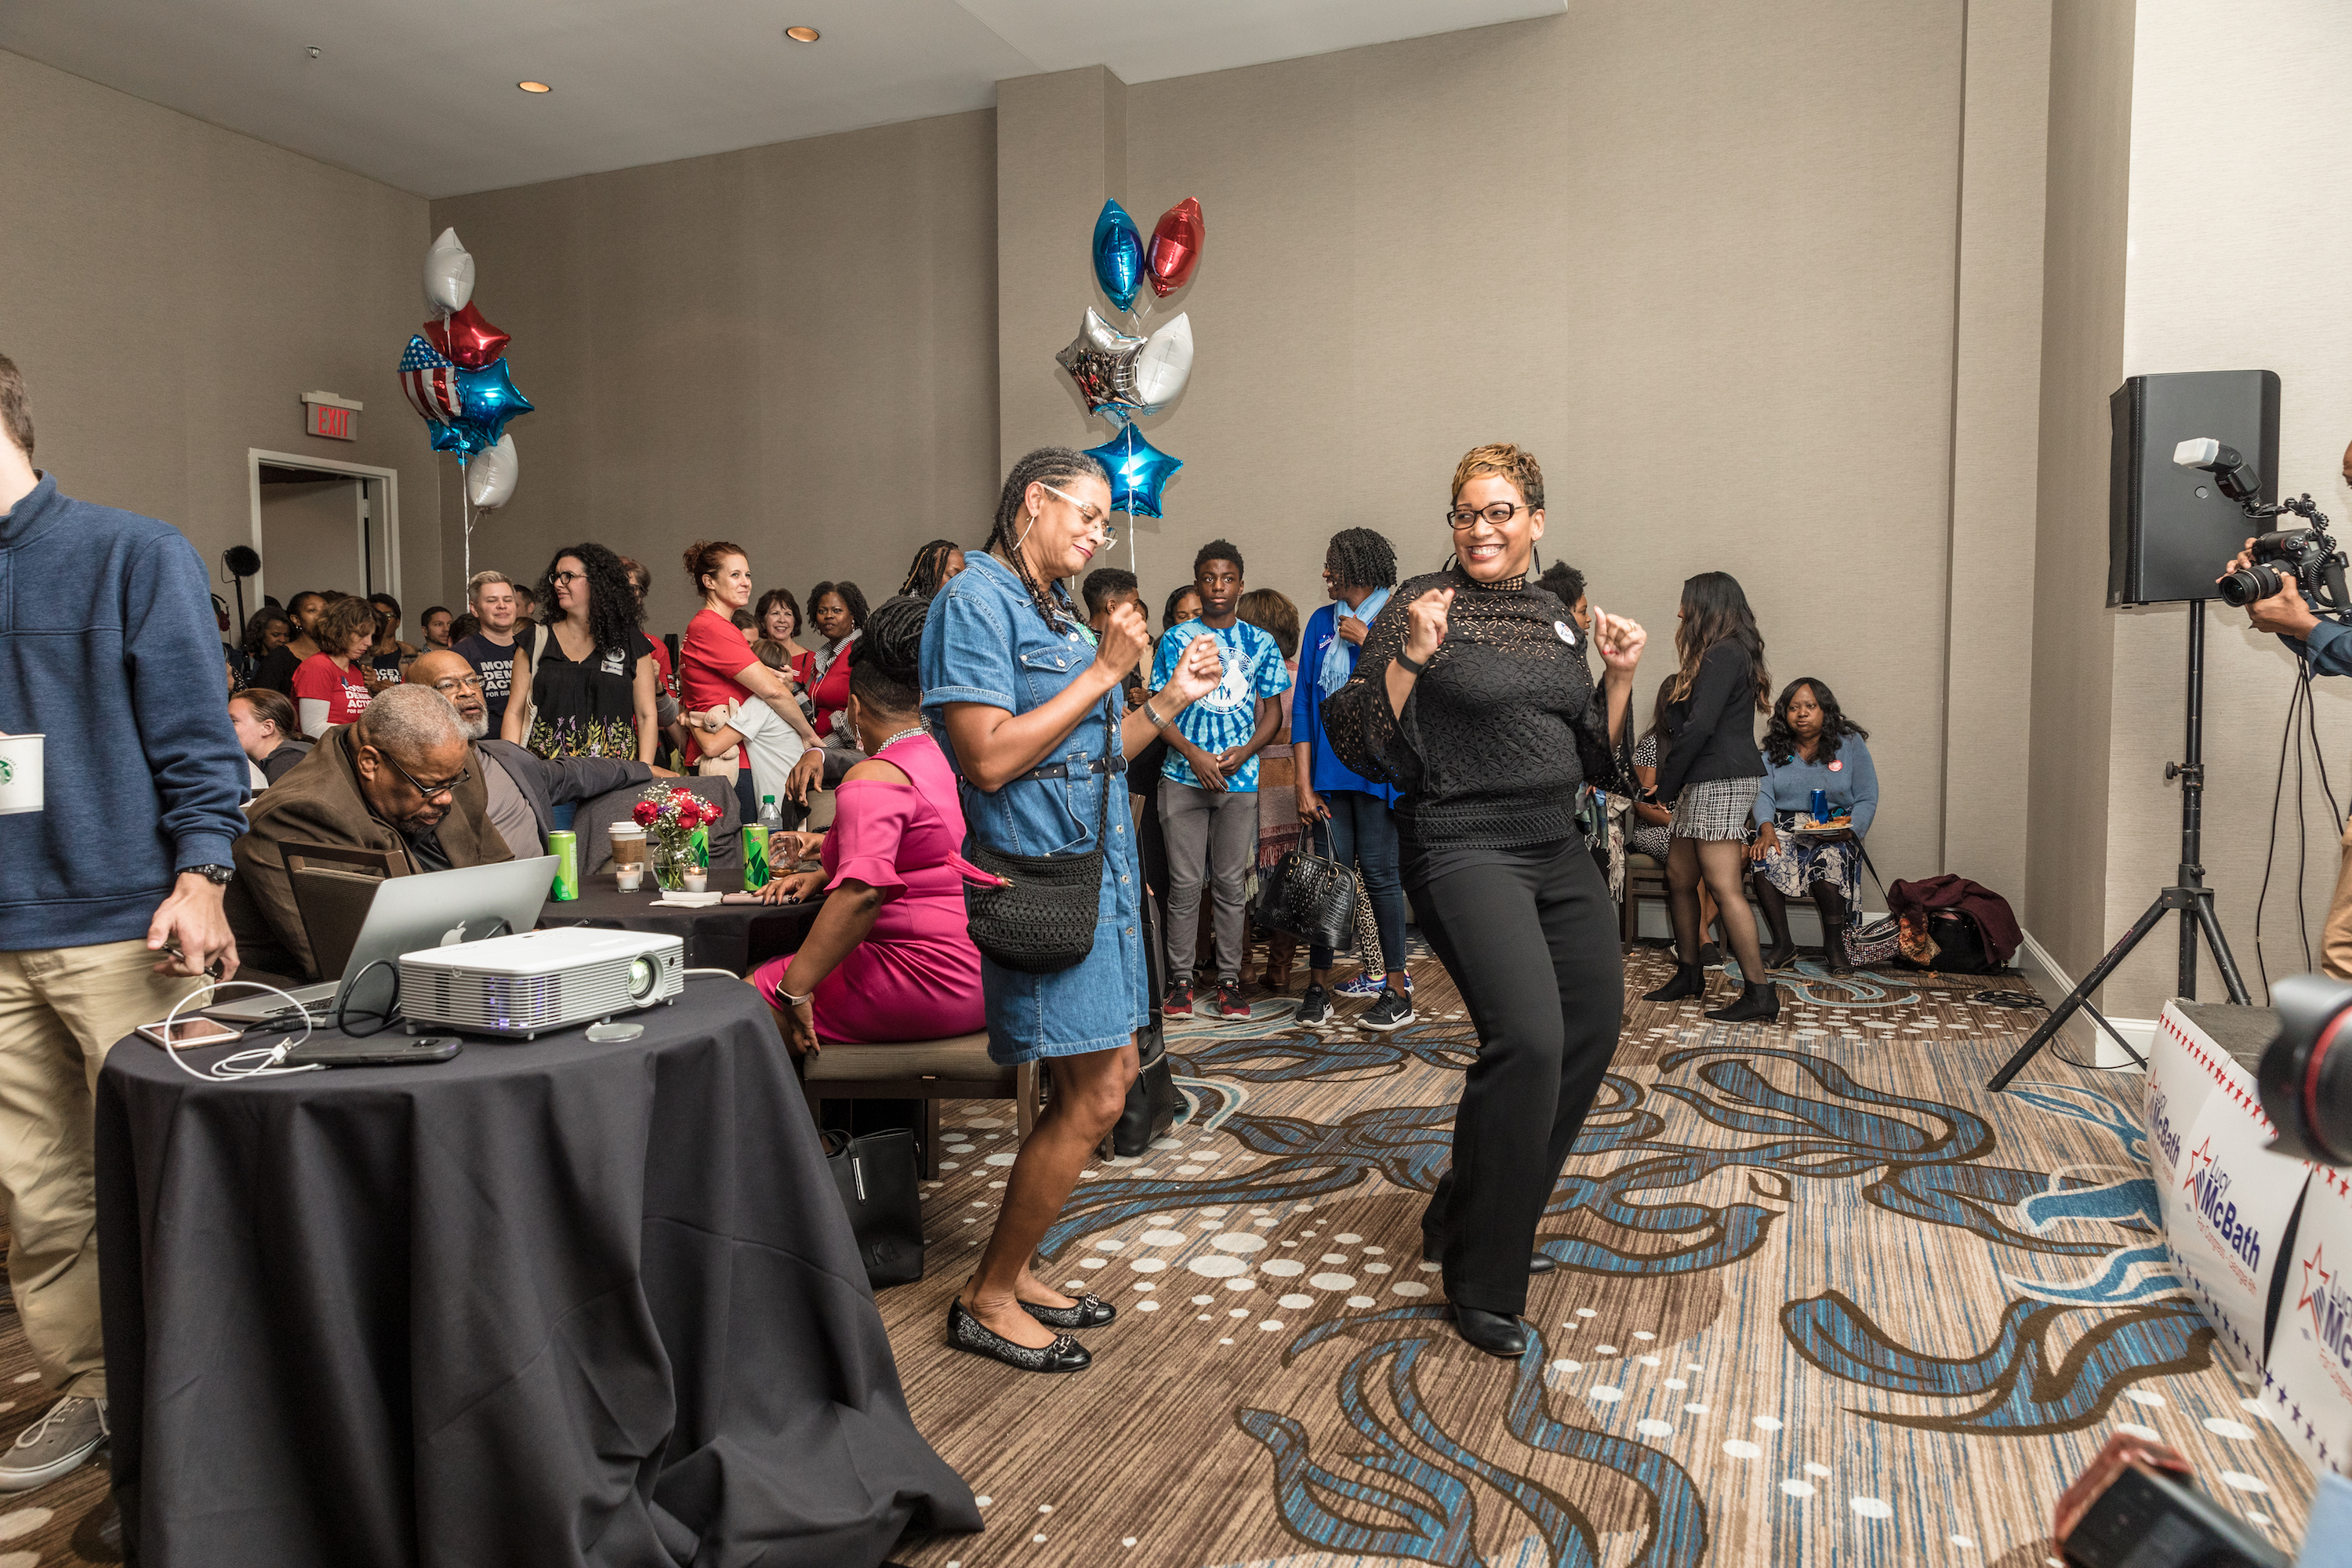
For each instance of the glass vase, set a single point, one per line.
(669, 862)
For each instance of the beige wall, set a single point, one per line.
(1698, 256)
(171, 288)
(793, 347)
(2081, 361)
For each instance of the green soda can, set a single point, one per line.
(699, 846)
(755, 858)
(566, 847)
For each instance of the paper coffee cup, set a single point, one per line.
(20, 773)
(628, 842)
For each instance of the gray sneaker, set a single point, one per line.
(56, 1445)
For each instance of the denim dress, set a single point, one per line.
(985, 642)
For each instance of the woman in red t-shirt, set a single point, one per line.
(331, 687)
(716, 664)
(779, 621)
(837, 610)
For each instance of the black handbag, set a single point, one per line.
(876, 1176)
(1153, 1099)
(1308, 896)
(1042, 918)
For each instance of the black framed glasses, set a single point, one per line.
(1500, 513)
(448, 786)
(564, 579)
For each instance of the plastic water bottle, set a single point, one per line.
(771, 816)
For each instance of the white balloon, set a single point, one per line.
(448, 274)
(492, 473)
(1165, 364)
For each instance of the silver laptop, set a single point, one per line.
(432, 909)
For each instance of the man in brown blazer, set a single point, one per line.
(401, 778)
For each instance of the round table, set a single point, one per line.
(555, 1303)
(735, 938)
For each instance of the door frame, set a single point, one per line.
(331, 467)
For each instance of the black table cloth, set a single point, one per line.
(733, 937)
(555, 1303)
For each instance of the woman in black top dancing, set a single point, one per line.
(1472, 696)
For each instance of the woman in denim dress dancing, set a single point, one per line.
(1018, 693)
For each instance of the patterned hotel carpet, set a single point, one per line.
(1822, 1300)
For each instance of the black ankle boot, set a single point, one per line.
(1760, 1003)
(1833, 907)
(1689, 980)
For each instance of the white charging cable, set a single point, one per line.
(257, 1062)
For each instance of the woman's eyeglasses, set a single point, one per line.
(1500, 513)
(1087, 514)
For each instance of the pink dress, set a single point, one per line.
(917, 975)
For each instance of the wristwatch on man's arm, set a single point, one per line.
(218, 875)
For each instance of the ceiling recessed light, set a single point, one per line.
(534, 87)
(801, 35)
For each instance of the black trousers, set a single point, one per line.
(1532, 947)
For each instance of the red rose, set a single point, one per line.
(645, 813)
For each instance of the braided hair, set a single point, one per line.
(931, 568)
(883, 664)
(1361, 558)
(1045, 466)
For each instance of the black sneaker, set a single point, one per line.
(1313, 1008)
(1390, 1011)
(1229, 1001)
(1180, 1001)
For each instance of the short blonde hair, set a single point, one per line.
(480, 580)
(1516, 464)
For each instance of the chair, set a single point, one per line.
(1644, 876)
(821, 803)
(333, 884)
(928, 1070)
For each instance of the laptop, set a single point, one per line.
(431, 908)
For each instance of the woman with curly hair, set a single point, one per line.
(592, 683)
(837, 610)
(1811, 745)
(779, 618)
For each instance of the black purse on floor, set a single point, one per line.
(877, 1178)
(1152, 1100)
(1311, 897)
(1042, 920)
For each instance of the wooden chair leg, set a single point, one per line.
(930, 1139)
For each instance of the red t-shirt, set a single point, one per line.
(344, 691)
(662, 671)
(714, 650)
(831, 694)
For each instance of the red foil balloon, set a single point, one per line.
(467, 338)
(1175, 249)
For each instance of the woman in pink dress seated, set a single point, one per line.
(889, 957)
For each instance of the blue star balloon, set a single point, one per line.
(1138, 472)
(1119, 256)
(487, 398)
(462, 437)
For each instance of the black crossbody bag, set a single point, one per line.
(1042, 918)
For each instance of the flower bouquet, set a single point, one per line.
(673, 817)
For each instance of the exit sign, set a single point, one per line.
(337, 418)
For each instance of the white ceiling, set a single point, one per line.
(421, 93)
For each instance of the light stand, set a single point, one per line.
(2189, 895)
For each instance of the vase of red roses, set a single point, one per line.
(673, 818)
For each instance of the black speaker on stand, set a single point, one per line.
(2171, 532)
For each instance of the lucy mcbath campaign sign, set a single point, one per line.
(2308, 1387)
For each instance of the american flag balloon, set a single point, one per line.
(430, 381)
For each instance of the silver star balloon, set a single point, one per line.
(1121, 377)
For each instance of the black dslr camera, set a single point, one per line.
(2308, 556)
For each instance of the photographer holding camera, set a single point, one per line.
(2325, 645)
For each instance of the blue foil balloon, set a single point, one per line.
(487, 399)
(462, 437)
(1138, 472)
(1119, 257)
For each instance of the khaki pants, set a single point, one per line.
(60, 1012)
(2336, 937)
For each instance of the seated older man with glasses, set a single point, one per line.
(523, 787)
(402, 778)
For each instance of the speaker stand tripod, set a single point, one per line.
(2187, 896)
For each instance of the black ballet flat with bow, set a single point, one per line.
(968, 1333)
(1086, 1312)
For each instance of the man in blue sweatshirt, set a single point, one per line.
(109, 893)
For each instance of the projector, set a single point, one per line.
(540, 981)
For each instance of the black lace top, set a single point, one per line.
(1501, 730)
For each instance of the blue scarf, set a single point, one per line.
(1337, 664)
